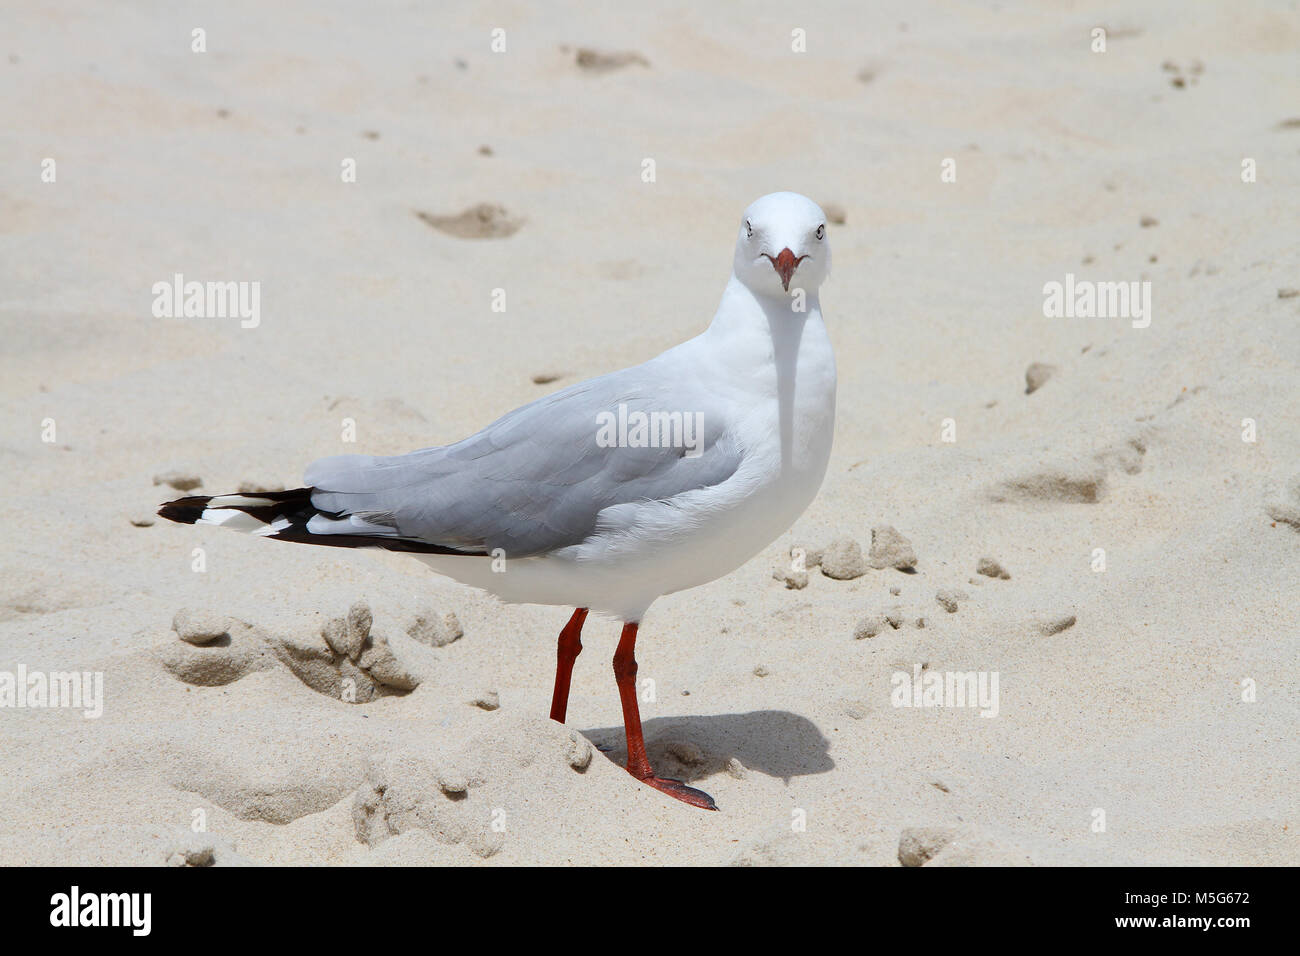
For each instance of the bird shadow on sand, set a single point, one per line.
(773, 742)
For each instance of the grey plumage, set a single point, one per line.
(534, 480)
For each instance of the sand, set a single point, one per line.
(500, 242)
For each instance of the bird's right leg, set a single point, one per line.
(638, 764)
(569, 647)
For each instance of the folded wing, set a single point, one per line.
(536, 479)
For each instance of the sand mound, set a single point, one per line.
(345, 660)
(464, 797)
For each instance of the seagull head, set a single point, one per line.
(783, 246)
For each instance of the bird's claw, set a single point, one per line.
(680, 791)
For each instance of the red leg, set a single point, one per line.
(638, 764)
(569, 647)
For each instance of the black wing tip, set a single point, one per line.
(184, 510)
(188, 510)
(296, 506)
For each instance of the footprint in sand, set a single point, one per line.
(597, 61)
(1082, 481)
(1037, 375)
(482, 221)
(992, 568)
(1285, 506)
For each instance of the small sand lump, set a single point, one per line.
(436, 632)
(889, 549)
(842, 560)
(1037, 375)
(196, 856)
(1057, 624)
(452, 782)
(255, 485)
(180, 480)
(347, 636)
(990, 568)
(686, 752)
(793, 580)
(578, 752)
(869, 627)
(918, 845)
(948, 599)
(488, 700)
(812, 557)
(199, 627)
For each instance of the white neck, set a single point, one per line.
(744, 311)
(772, 352)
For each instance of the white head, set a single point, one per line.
(783, 246)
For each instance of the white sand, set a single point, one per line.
(1133, 446)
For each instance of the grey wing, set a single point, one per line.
(536, 479)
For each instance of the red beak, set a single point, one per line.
(785, 264)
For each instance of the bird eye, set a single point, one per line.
(749, 230)
(821, 231)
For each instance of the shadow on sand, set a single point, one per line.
(773, 742)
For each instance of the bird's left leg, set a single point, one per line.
(569, 647)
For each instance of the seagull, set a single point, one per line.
(610, 493)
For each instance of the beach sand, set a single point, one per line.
(1144, 641)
